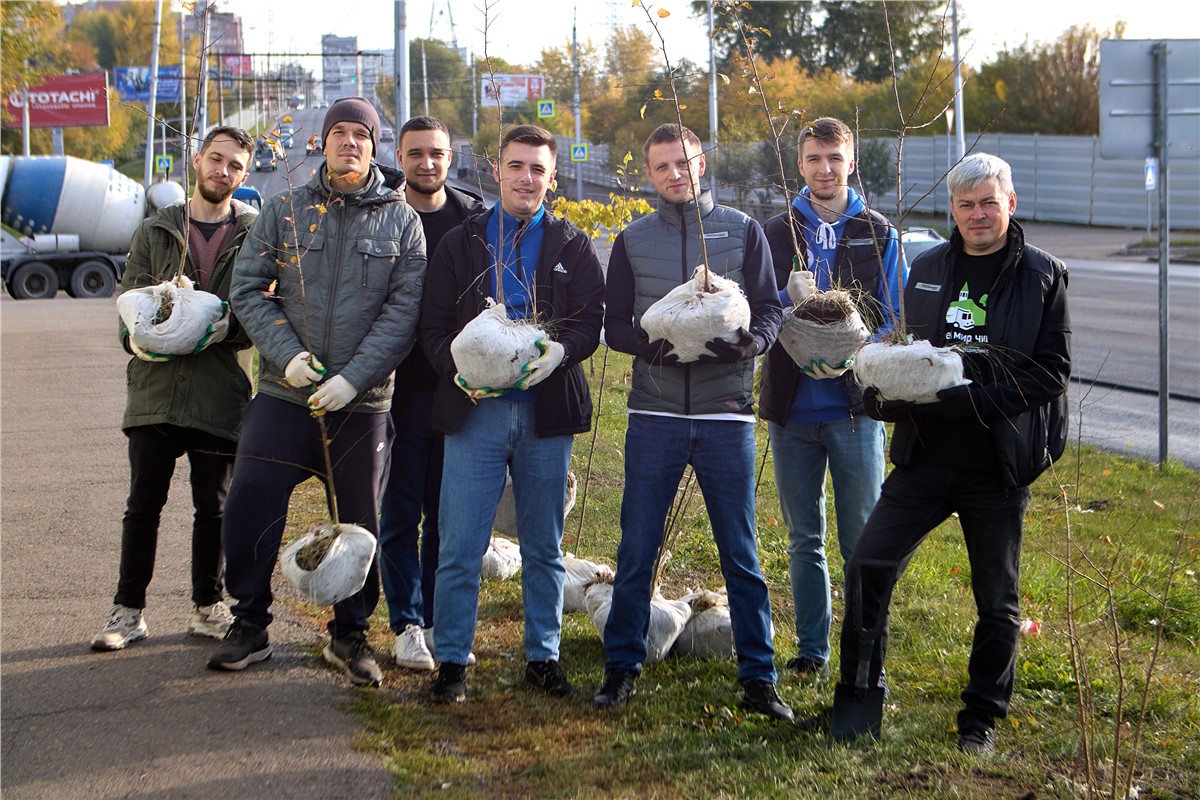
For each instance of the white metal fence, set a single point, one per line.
(1058, 179)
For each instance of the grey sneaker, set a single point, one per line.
(125, 626)
(212, 621)
(410, 651)
(355, 657)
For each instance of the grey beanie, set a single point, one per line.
(352, 109)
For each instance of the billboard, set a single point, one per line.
(513, 89)
(64, 101)
(134, 83)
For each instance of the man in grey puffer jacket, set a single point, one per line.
(329, 288)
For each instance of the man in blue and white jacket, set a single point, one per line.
(812, 410)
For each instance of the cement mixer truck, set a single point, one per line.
(75, 218)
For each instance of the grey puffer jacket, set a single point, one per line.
(351, 297)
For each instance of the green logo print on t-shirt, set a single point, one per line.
(964, 313)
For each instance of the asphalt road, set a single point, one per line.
(149, 721)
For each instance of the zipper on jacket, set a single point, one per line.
(331, 303)
(687, 369)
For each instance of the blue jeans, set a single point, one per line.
(657, 449)
(917, 498)
(497, 434)
(414, 487)
(853, 450)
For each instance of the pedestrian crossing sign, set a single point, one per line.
(545, 108)
(579, 152)
(163, 164)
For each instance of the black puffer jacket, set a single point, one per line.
(570, 297)
(1029, 330)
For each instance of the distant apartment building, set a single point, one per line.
(340, 69)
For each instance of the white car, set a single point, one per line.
(915, 241)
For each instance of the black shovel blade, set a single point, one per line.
(856, 712)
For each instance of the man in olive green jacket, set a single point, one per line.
(187, 403)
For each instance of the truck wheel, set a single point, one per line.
(34, 280)
(92, 279)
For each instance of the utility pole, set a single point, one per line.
(402, 100)
(183, 128)
(712, 101)
(153, 99)
(958, 104)
(575, 104)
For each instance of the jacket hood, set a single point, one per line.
(803, 206)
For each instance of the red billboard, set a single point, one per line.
(64, 101)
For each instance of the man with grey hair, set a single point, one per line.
(1003, 305)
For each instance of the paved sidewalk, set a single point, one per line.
(150, 721)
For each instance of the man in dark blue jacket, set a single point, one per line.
(415, 478)
(549, 274)
(974, 452)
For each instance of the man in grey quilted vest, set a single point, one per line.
(699, 413)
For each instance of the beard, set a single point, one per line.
(212, 194)
(435, 186)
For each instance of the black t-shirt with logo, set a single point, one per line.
(967, 443)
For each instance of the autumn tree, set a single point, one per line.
(858, 39)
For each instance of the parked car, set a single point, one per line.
(248, 195)
(264, 157)
(386, 135)
(915, 241)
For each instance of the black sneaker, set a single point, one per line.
(548, 676)
(244, 644)
(977, 741)
(354, 656)
(808, 667)
(618, 685)
(450, 685)
(762, 697)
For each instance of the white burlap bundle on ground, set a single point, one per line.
(502, 559)
(342, 570)
(581, 574)
(667, 619)
(169, 318)
(913, 372)
(491, 350)
(506, 510)
(709, 632)
(688, 317)
(835, 341)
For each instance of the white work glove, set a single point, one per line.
(801, 285)
(303, 370)
(332, 395)
(217, 331)
(540, 368)
(822, 369)
(476, 394)
(146, 355)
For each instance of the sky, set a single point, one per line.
(518, 34)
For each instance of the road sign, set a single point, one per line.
(545, 108)
(163, 163)
(1151, 174)
(1129, 83)
(579, 152)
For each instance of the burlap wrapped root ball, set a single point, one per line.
(688, 316)
(667, 619)
(169, 318)
(914, 372)
(581, 574)
(709, 630)
(502, 559)
(491, 350)
(330, 562)
(824, 327)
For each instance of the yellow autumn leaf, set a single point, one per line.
(683, 106)
(286, 119)
(663, 13)
(321, 208)
(312, 227)
(642, 111)
(658, 94)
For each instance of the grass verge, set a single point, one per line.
(683, 734)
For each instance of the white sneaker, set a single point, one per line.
(410, 651)
(428, 633)
(211, 621)
(125, 626)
